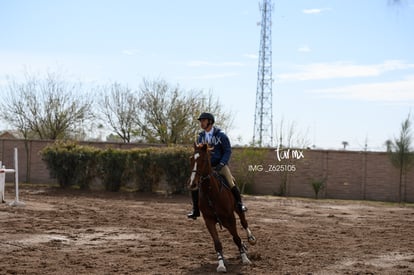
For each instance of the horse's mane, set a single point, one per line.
(202, 145)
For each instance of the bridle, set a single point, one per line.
(202, 177)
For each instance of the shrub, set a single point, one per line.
(317, 186)
(112, 167)
(71, 164)
(146, 168)
(175, 164)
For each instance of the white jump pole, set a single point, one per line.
(16, 202)
(2, 182)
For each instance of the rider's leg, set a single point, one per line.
(225, 172)
(196, 211)
(236, 193)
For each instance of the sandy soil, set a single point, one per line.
(58, 232)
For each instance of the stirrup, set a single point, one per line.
(193, 215)
(242, 207)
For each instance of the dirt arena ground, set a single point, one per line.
(118, 233)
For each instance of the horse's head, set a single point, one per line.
(200, 164)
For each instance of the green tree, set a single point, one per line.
(120, 108)
(223, 117)
(45, 108)
(400, 153)
(169, 114)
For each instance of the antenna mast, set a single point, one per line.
(263, 118)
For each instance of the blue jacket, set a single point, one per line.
(222, 147)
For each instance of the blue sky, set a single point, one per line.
(343, 70)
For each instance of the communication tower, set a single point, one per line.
(263, 118)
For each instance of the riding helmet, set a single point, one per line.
(206, 116)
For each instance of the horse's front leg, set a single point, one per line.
(211, 226)
(231, 226)
(250, 237)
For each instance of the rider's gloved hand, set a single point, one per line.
(219, 167)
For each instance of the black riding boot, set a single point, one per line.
(236, 193)
(196, 211)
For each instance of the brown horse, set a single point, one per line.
(217, 204)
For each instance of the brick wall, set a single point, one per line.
(347, 174)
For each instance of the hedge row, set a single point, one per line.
(144, 169)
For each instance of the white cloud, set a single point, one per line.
(319, 71)
(304, 49)
(202, 63)
(395, 91)
(315, 11)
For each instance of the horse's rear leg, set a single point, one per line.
(250, 238)
(211, 226)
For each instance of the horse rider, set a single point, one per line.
(219, 159)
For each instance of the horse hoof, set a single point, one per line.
(247, 262)
(221, 269)
(251, 240)
(244, 259)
